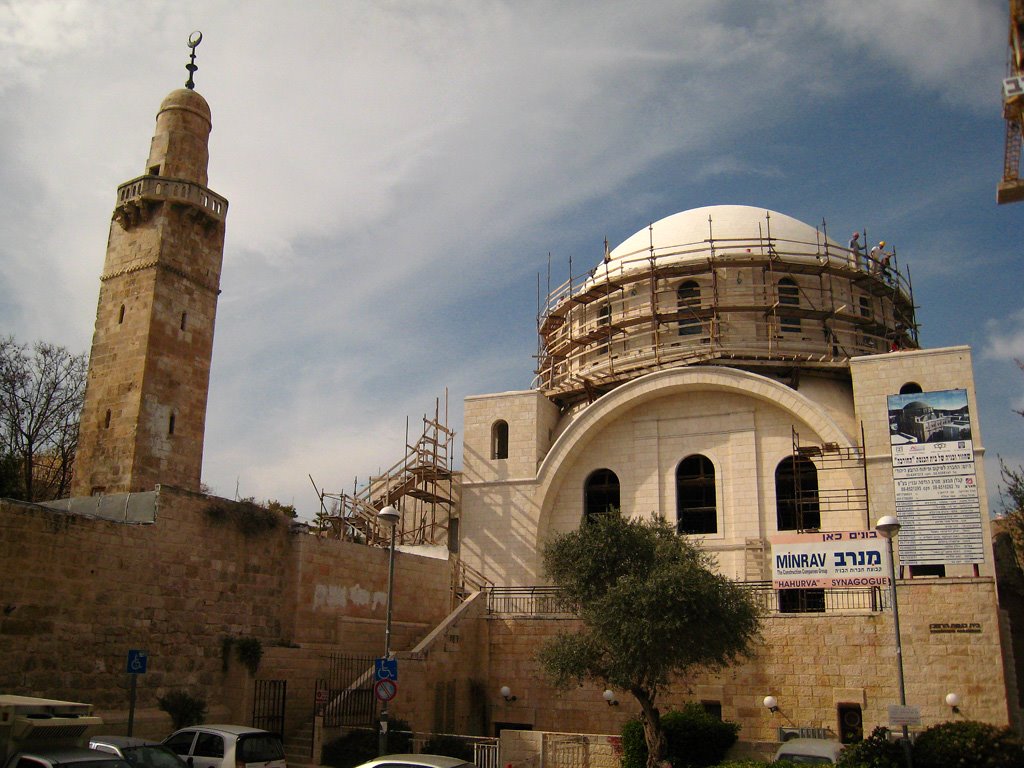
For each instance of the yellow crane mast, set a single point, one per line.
(1011, 188)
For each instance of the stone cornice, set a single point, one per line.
(157, 264)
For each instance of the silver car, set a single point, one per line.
(416, 761)
(227, 746)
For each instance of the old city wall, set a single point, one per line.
(810, 663)
(77, 593)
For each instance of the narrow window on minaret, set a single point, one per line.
(154, 171)
(183, 316)
(170, 425)
(106, 421)
(120, 315)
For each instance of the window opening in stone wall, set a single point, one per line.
(801, 601)
(120, 315)
(154, 170)
(713, 708)
(600, 493)
(170, 425)
(688, 299)
(910, 388)
(851, 723)
(106, 421)
(696, 503)
(499, 440)
(796, 495)
(927, 570)
(789, 296)
(184, 316)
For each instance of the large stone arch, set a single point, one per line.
(571, 443)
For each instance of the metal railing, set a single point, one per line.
(547, 601)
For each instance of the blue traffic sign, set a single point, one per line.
(385, 669)
(137, 662)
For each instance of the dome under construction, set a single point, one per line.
(724, 285)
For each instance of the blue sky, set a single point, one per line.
(398, 173)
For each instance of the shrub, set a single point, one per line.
(249, 651)
(184, 709)
(876, 751)
(359, 746)
(694, 739)
(968, 744)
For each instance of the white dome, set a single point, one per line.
(725, 228)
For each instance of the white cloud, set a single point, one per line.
(1005, 338)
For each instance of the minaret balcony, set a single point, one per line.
(134, 196)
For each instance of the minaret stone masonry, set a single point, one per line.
(144, 415)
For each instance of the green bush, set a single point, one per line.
(694, 739)
(968, 744)
(876, 751)
(184, 709)
(451, 746)
(634, 747)
(359, 746)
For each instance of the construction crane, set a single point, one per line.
(1011, 188)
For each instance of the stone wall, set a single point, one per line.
(811, 663)
(76, 594)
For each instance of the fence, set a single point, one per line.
(545, 600)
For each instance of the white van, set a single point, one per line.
(809, 751)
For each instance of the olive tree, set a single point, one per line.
(652, 607)
(41, 391)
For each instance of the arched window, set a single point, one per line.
(910, 388)
(600, 493)
(499, 440)
(184, 317)
(796, 495)
(696, 506)
(688, 299)
(170, 425)
(789, 296)
(120, 315)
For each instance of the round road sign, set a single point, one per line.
(385, 690)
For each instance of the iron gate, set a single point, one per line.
(346, 696)
(268, 705)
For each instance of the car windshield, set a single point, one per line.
(259, 748)
(152, 756)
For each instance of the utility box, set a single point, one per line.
(29, 724)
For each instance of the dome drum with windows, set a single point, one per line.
(721, 284)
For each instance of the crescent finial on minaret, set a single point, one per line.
(193, 42)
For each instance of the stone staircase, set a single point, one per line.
(297, 748)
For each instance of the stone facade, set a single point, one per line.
(144, 415)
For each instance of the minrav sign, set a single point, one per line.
(829, 559)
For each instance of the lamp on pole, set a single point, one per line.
(887, 528)
(388, 516)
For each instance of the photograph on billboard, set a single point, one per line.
(936, 486)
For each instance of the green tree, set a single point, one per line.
(652, 608)
(41, 393)
(1011, 493)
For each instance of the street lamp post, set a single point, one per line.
(388, 516)
(888, 527)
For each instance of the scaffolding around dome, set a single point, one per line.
(759, 302)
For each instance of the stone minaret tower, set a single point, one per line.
(149, 371)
